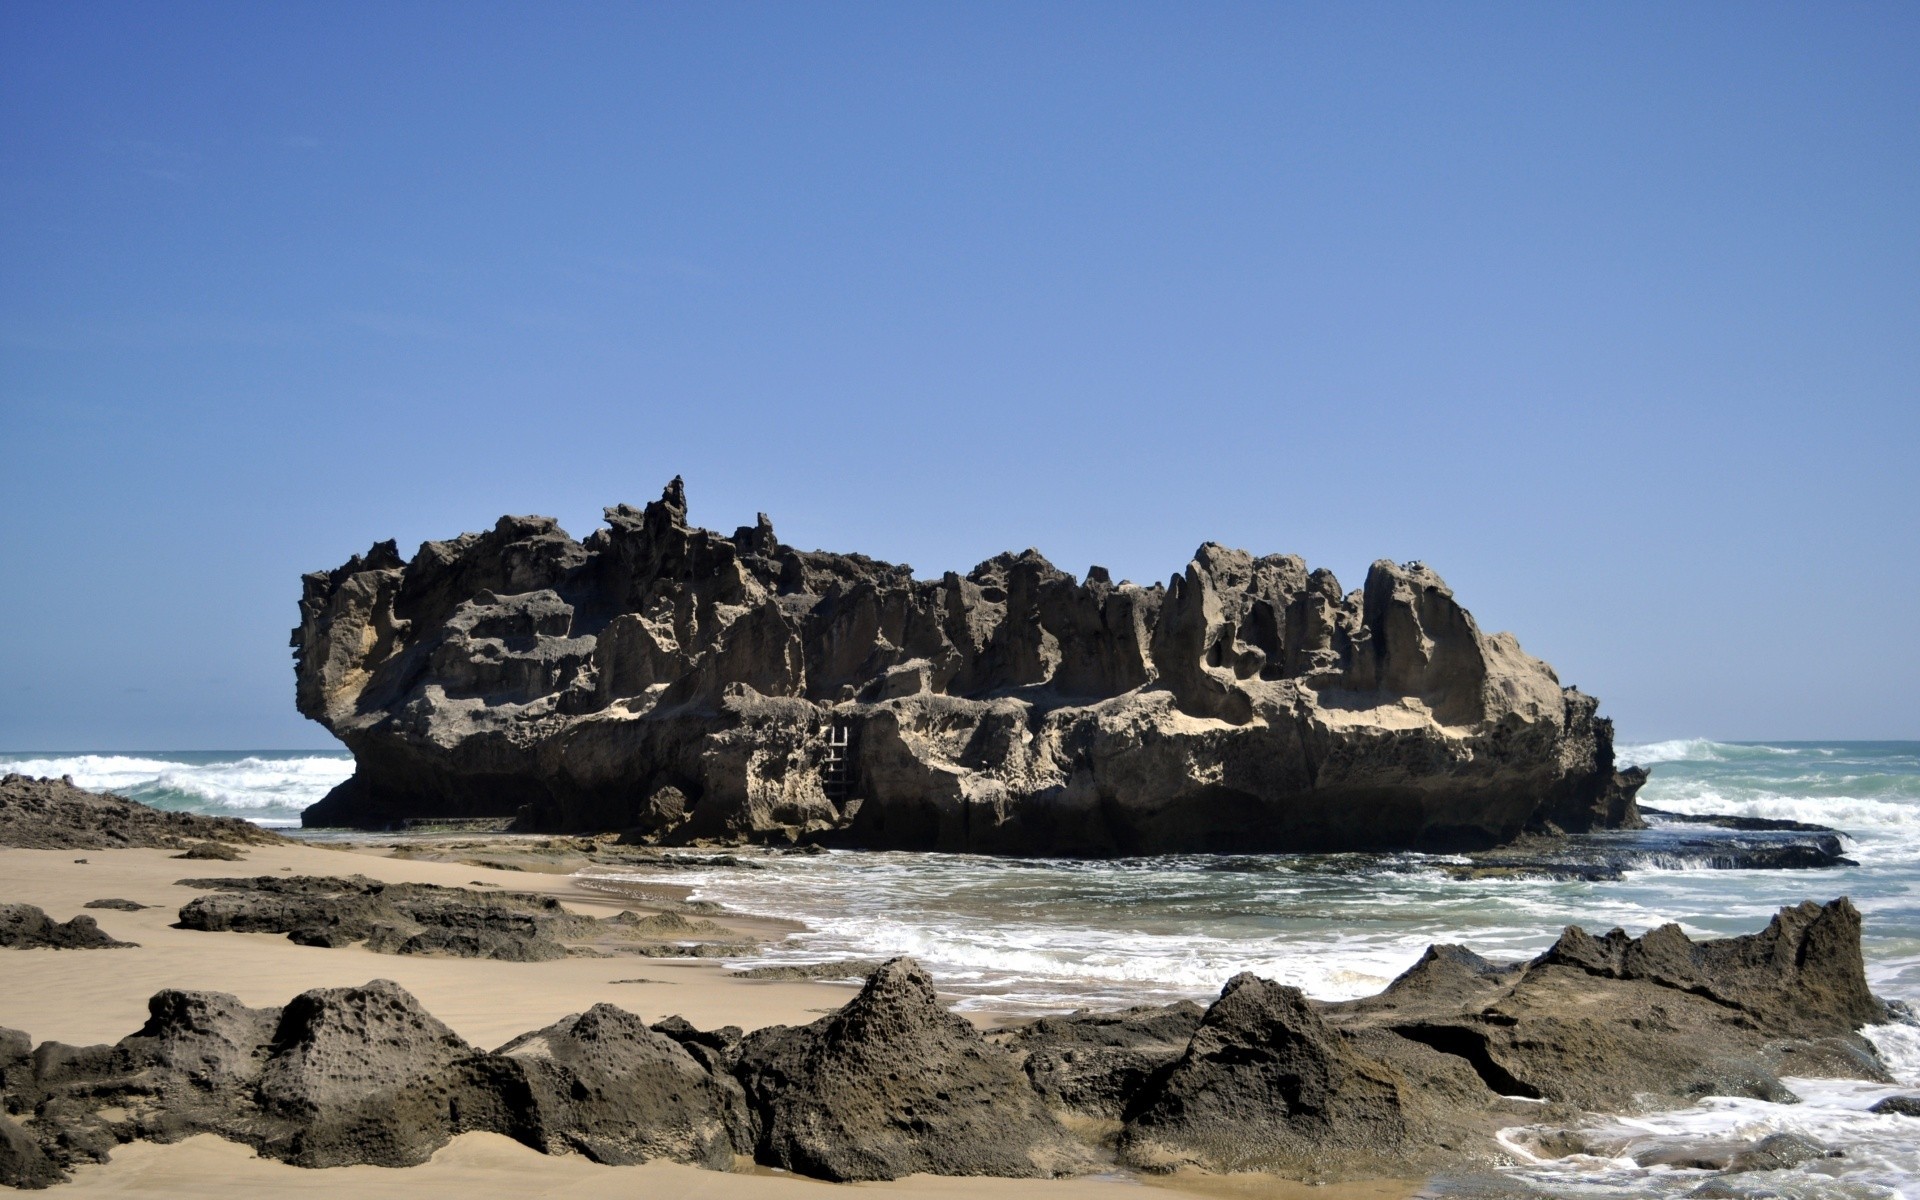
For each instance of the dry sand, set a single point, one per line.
(85, 997)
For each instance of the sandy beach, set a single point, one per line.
(95, 996)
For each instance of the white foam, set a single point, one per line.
(1707, 750)
(238, 784)
(1676, 750)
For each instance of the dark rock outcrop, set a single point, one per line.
(603, 1084)
(1615, 1023)
(1092, 1064)
(53, 814)
(1265, 1085)
(360, 1075)
(1414, 1080)
(425, 918)
(22, 1163)
(348, 1079)
(894, 1084)
(1417, 1078)
(27, 927)
(677, 684)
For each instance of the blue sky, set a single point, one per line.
(1611, 313)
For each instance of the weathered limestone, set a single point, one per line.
(669, 681)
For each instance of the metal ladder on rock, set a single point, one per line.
(834, 768)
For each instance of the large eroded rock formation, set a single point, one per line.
(668, 680)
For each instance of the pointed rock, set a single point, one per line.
(893, 1084)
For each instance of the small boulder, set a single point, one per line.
(1779, 1152)
(350, 1078)
(605, 1085)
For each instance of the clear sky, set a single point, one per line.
(1609, 312)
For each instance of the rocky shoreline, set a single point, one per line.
(1454, 1068)
(1416, 1079)
(53, 814)
(679, 685)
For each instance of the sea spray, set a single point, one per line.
(266, 786)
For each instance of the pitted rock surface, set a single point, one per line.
(53, 814)
(894, 1084)
(1413, 1080)
(678, 685)
(605, 1085)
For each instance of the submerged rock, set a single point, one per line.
(679, 685)
(1898, 1106)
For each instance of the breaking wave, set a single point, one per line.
(264, 786)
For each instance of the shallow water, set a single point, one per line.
(1042, 935)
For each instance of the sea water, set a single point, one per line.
(1034, 935)
(268, 787)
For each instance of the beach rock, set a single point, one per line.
(350, 1078)
(893, 1084)
(1619, 1023)
(717, 1049)
(676, 685)
(212, 850)
(601, 1083)
(365, 1075)
(53, 814)
(1779, 1152)
(1898, 1106)
(1414, 1080)
(1092, 1064)
(1802, 975)
(118, 905)
(26, 927)
(22, 1163)
(1265, 1085)
(846, 968)
(392, 918)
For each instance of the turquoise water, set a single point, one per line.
(1042, 935)
(269, 787)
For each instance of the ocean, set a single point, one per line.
(1051, 934)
